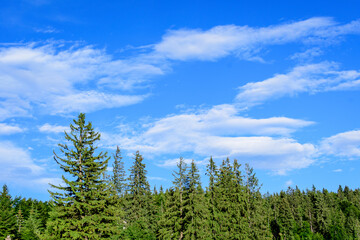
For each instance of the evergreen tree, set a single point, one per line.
(172, 223)
(196, 213)
(119, 173)
(255, 207)
(32, 228)
(19, 221)
(139, 203)
(285, 218)
(231, 202)
(7, 215)
(81, 207)
(211, 199)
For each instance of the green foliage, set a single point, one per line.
(139, 202)
(91, 205)
(196, 213)
(32, 227)
(119, 174)
(81, 205)
(7, 214)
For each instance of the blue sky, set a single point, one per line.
(274, 84)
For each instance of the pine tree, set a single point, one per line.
(172, 222)
(7, 215)
(258, 227)
(32, 226)
(211, 199)
(285, 218)
(119, 173)
(19, 221)
(80, 208)
(230, 202)
(139, 203)
(196, 219)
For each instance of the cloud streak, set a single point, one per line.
(346, 145)
(245, 41)
(311, 78)
(6, 129)
(221, 132)
(52, 76)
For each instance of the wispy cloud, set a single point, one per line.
(47, 29)
(173, 162)
(6, 129)
(15, 160)
(60, 75)
(245, 41)
(309, 54)
(89, 101)
(157, 178)
(49, 128)
(346, 144)
(310, 78)
(220, 132)
(289, 183)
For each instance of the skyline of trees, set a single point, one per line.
(91, 204)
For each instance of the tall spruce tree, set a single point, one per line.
(119, 179)
(172, 223)
(196, 212)
(211, 171)
(139, 207)
(81, 204)
(258, 228)
(7, 214)
(32, 229)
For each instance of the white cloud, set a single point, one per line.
(16, 161)
(308, 54)
(47, 29)
(6, 129)
(49, 128)
(310, 78)
(289, 183)
(245, 41)
(51, 76)
(175, 161)
(220, 132)
(90, 101)
(338, 170)
(346, 144)
(157, 178)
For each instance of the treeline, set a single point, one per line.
(93, 205)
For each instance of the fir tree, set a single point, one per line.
(172, 223)
(19, 221)
(139, 203)
(255, 207)
(119, 173)
(32, 226)
(7, 215)
(196, 213)
(80, 208)
(211, 199)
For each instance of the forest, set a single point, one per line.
(92, 204)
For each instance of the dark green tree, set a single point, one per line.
(119, 178)
(139, 204)
(7, 215)
(81, 204)
(32, 228)
(211, 172)
(172, 224)
(258, 227)
(196, 217)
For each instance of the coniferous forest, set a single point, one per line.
(90, 204)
